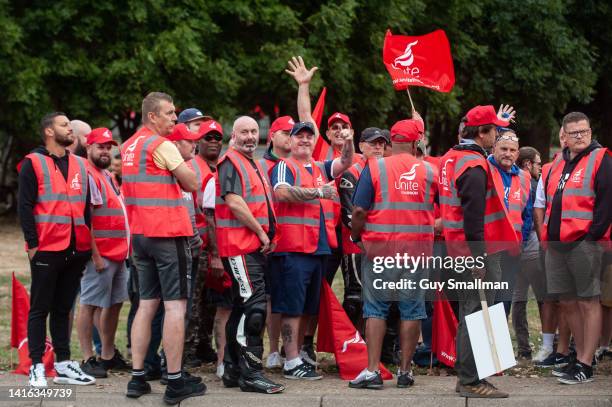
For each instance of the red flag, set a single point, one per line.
(317, 112)
(423, 60)
(337, 335)
(444, 331)
(19, 332)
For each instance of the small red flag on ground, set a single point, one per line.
(423, 60)
(444, 331)
(338, 335)
(19, 332)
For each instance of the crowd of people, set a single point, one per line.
(211, 249)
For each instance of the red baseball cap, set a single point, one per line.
(101, 135)
(284, 123)
(209, 126)
(407, 130)
(338, 116)
(181, 132)
(483, 115)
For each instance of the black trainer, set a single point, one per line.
(93, 368)
(404, 379)
(188, 377)
(256, 382)
(563, 370)
(119, 362)
(554, 360)
(302, 371)
(137, 388)
(578, 374)
(367, 380)
(174, 395)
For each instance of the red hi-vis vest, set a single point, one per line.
(108, 219)
(60, 204)
(153, 197)
(323, 151)
(349, 247)
(578, 200)
(267, 166)
(497, 225)
(401, 218)
(298, 222)
(204, 174)
(233, 237)
(517, 197)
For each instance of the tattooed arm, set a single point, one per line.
(345, 160)
(287, 193)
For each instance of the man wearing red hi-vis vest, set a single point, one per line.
(154, 176)
(578, 190)
(472, 213)
(55, 218)
(104, 283)
(246, 229)
(393, 215)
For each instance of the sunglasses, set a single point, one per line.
(213, 136)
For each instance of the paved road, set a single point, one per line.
(333, 392)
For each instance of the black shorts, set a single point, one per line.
(162, 267)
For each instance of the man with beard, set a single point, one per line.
(55, 219)
(80, 129)
(246, 226)
(104, 283)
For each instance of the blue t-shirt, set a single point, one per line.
(364, 191)
(281, 175)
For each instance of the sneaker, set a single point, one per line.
(187, 377)
(554, 360)
(174, 395)
(37, 375)
(367, 380)
(137, 388)
(69, 372)
(220, 370)
(578, 374)
(302, 371)
(481, 389)
(404, 379)
(93, 368)
(258, 383)
(562, 370)
(542, 354)
(119, 362)
(274, 361)
(308, 354)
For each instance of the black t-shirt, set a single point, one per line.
(229, 181)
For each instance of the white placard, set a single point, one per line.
(481, 347)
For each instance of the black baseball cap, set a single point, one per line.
(299, 126)
(373, 133)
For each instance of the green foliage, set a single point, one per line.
(97, 60)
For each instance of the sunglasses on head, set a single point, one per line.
(213, 136)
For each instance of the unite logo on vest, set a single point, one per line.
(577, 177)
(128, 157)
(443, 177)
(405, 184)
(75, 184)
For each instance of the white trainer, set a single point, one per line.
(37, 375)
(274, 361)
(542, 354)
(220, 370)
(69, 372)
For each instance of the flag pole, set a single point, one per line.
(410, 97)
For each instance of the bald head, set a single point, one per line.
(245, 135)
(80, 129)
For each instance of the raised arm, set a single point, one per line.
(303, 76)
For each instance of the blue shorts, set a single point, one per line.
(295, 283)
(409, 310)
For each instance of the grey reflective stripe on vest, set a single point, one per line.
(409, 206)
(492, 217)
(452, 224)
(83, 172)
(517, 227)
(524, 189)
(330, 153)
(586, 190)
(399, 228)
(101, 234)
(104, 211)
(384, 180)
(584, 215)
(552, 169)
(450, 200)
(48, 195)
(154, 202)
(245, 174)
(428, 181)
(358, 167)
(196, 169)
(297, 221)
(234, 223)
(515, 207)
(142, 176)
(63, 220)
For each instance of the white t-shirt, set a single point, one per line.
(540, 199)
(208, 197)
